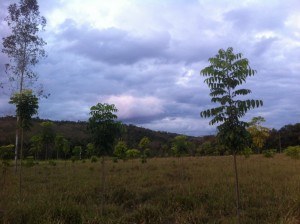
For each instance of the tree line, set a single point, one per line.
(76, 134)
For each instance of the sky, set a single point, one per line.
(145, 56)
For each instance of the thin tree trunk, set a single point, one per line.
(237, 190)
(17, 144)
(20, 160)
(102, 183)
(18, 117)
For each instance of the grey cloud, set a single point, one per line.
(112, 45)
(263, 46)
(258, 18)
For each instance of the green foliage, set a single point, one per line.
(226, 72)
(270, 153)
(23, 46)
(258, 133)
(94, 159)
(6, 152)
(59, 144)
(147, 153)
(293, 151)
(180, 145)
(211, 147)
(48, 136)
(120, 149)
(90, 147)
(104, 127)
(36, 145)
(144, 143)
(26, 106)
(77, 150)
(143, 159)
(52, 163)
(73, 159)
(247, 152)
(132, 153)
(66, 147)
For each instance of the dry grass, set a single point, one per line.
(164, 190)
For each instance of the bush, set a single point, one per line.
(52, 163)
(269, 153)
(143, 159)
(94, 159)
(132, 153)
(247, 152)
(73, 159)
(293, 151)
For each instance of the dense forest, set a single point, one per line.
(77, 134)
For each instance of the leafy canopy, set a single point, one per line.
(258, 133)
(23, 46)
(226, 72)
(104, 127)
(26, 106)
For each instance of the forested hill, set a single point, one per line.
(77, 133)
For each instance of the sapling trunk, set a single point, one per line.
(102, 183)
(20, 160)
(237, 190)
(17, 144)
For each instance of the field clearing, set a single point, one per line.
(163, 190)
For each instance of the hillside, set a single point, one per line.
(77, 133)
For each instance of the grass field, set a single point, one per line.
(163, 190)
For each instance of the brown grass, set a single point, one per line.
(164, 190)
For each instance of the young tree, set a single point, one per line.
(144, 143)
(59, 144)
(36, 145)
(26, 106)
(258, 133)
(180, 145)
(23, 47)
(66, 148)
(104, 127)
(90, 149)
(224, 74)
(48, 136)
(120, 149)
(77, 151)
(132, 153)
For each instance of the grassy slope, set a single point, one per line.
(165, 190)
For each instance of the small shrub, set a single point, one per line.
(94, 159)
(143, 159)
(115, 159)
(269, 153)
(52, 163)
(132, 153)
(247, 152)
(147, 153)
(293, 151)
(73, 159)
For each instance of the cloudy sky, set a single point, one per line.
(145, 57)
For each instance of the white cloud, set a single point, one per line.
(135, 107)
